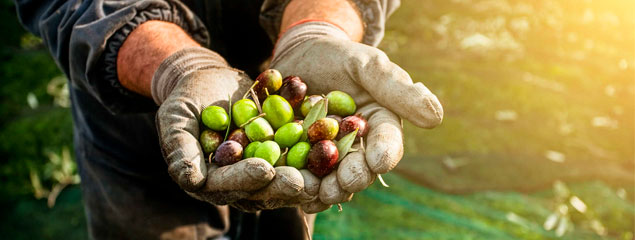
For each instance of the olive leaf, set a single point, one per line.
(318, 111)
(229, 98)
(344, 144)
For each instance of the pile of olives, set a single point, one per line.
(288, 129)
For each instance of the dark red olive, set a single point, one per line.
(239, 136)
(350, 123)
(293, 90)
(229, 152)
(322, 158)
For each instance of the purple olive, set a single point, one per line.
(323, 129)
(350, 123)
(239, 136)
(293, 90)
(322, 158)
(229, 152)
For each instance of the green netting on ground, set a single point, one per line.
(408, 211)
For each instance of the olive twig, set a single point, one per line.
(381, 180)
(252, 119)
(209, 158)
(255, 97)
(306, 225)
(250, 88)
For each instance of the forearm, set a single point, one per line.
(339, 12)
(143, 51)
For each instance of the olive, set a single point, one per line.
(308, 103)
(322, 158)
(259, 130)
(269, 151)
(288, 134)
(251, 149)
(210, 141)
(239, 136)
(243, 110)
(340, 103)
(297, 155)
(229, 152)
(271, 80)
(293, 90)
(350, 123)
(323, 129)
(215, 118)
(278, 111)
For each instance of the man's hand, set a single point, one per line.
(159, 60)
(326, 59)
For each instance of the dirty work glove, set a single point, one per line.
(183, 85)
(326, 59)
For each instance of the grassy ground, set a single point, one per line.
(533, 91)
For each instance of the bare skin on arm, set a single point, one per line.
(343, 13)
(143, 51)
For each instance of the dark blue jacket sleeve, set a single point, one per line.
(84, 38)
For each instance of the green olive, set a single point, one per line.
(250, 149)
(278, 111)
(269, 151)
(308, 103)
(215, 118)
(288, 134)
(210, 141)
(259, 130)
(341, 104)
(243, 110)
(297, 155)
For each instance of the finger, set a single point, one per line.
(311, 186)
(413, 102)
(315, 207)
(353, 174)
(246, 176)
(331, 192)
(177, 128)
(288, 183)
(384, 142)
(233, 182)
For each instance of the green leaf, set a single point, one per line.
(318, 111)
(229, 126)
(344, 145)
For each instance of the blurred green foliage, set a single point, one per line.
(539, 103)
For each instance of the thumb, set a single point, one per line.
(393, 88)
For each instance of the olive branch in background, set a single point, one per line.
(560, 219)
(61, 169)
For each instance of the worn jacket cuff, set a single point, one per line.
(176, 13)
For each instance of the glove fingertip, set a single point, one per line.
(428, 112)
(189, 177)
(315, 207)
